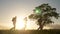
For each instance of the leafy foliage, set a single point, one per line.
(44, 14)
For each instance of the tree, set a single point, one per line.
(43, 15)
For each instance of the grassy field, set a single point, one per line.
(30, 31)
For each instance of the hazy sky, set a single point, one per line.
(11, 8)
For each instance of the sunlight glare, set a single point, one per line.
(20, 23)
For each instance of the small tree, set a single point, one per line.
(43, 15)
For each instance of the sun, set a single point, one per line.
(20, 23)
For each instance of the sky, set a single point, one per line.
(22, 8)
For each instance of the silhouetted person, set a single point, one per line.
(14, 23)
(25, 19)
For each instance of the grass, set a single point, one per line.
(52, 31)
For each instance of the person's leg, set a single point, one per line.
(14, 26)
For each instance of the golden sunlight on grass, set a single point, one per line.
(47, 27)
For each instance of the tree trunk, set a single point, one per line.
(41, 27)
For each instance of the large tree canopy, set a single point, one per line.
(43, 15)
